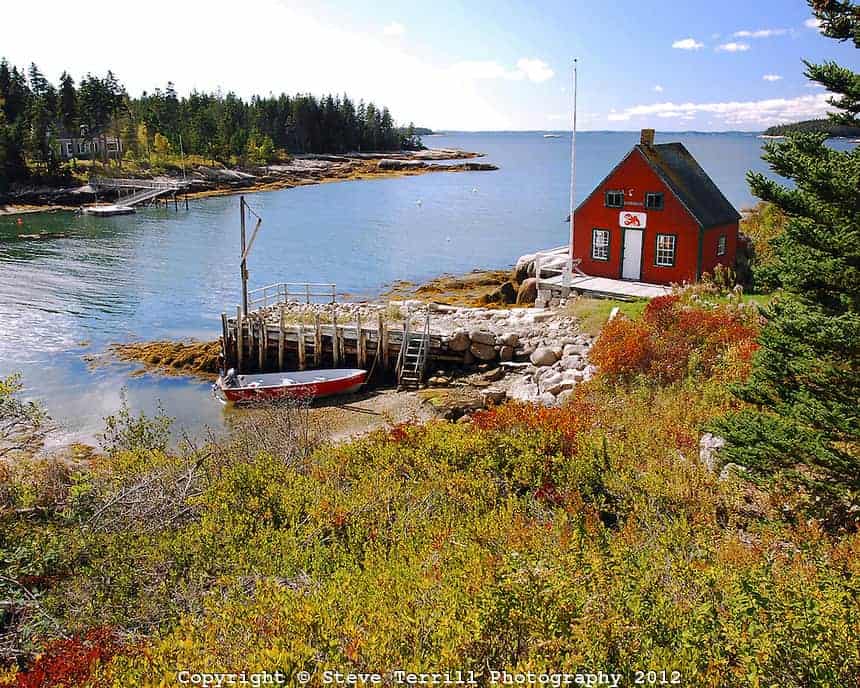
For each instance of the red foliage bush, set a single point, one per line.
(404, 432)
(623, 348)
(568, 420)
(68, 663)
(671, 340)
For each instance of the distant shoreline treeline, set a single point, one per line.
(813, 125)
(34, 113)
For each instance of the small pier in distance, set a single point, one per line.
(134, 192)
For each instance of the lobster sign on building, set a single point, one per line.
(630, 220)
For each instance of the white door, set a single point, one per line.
(631, 268)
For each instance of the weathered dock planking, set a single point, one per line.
(262, 341)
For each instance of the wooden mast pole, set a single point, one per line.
(244, 264)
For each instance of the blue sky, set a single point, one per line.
(669, 64)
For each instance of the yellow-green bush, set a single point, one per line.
(583, 537)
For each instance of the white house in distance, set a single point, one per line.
(83, 144)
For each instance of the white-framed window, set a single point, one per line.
(84, 146)
(664, 256)
(70, 149)
(600, 244)
(653, 201)
(721, 245)
(614, 199)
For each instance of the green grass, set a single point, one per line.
(593, 313)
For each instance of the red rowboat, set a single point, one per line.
(305, 384)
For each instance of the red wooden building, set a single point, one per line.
(657, 217)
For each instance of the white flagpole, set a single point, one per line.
(573, 168)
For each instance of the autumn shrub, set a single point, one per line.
(674, 339)
(624, 348)
(69, 662)
(514, 544)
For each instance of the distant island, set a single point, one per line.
(417, 131)
(813, 125)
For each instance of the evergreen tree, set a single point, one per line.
(40, 114)
(805, 385)
(222, 128)
(839, 20)
(68, 103)
(12, 165)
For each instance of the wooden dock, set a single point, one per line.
(604, 287)
(263, 341)
(266, 340)
(138, 192)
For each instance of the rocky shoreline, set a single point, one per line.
(301, 170)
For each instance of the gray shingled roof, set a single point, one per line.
(690, 183)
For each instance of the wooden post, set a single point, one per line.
(261, 351)
(244, 266)
(335, 343)
(301, 349)
(360, 344)
(239, 339)
(281, 337)
(225, 341)
(252, 340)
(383, 341)
(317, 341)
(186, 200)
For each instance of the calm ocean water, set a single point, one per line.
(162, 274)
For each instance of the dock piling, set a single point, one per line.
(317, 340)
(240, 336)
(301, 347)
(281, 339)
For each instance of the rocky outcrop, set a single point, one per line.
(543, 356)
(555, 258)
(391, 164)
(527, 292)
(709, 446)
(484, 352)
(223, 175)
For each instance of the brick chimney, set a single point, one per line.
(647, 137)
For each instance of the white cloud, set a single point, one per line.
(733, 47)
(812, 23)
(757, 113)
(688, 44)
(534, 70)
(658, 88)
(771, 77)
(761, 33)
(394, 29)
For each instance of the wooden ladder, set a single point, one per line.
(412, 361)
